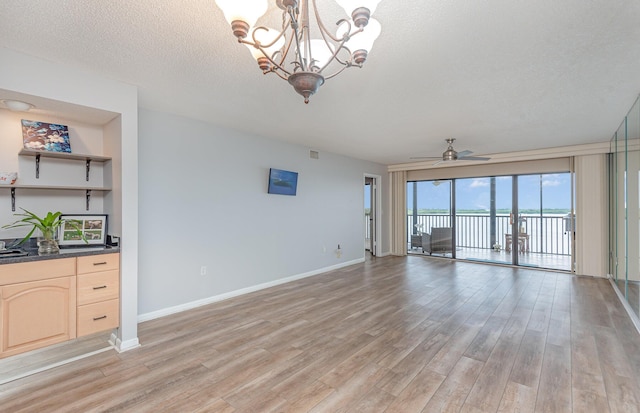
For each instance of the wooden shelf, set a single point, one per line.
(59, 187)
(87, 191)
(63, 155)
(59, 155)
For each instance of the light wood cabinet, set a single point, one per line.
(97, 263)
(98, 288)
(37, 314)
(51, 301)
(100, 316)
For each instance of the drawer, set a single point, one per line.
(37, 270)
(102, 262)
(98, 286)
(101, 316)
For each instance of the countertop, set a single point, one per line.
(32, 253)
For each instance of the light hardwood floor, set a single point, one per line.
(395, 334)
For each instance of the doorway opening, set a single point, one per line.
(371, 214)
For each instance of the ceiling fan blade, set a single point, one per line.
(451, 155)
(473, 158)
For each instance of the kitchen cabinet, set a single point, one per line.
(37, 314)
(98, 289)
(49, 301)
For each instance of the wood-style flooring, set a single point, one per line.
(26, 364)
(527, 259)
(394, 334)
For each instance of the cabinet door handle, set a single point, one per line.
(100, 287)
(100, 263)
(99, 318)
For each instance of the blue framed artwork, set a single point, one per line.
(44, 136)
(282, 182)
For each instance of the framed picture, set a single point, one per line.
(94, 228)
(45, 136)
(282, 182)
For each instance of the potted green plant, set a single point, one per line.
(48, 227)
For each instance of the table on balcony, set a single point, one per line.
(523, 242)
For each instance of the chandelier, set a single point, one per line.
(300, 53)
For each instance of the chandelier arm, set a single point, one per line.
(336, 43)
(284, 54)
(279, 73)
(296, 34)
(321, 26)
(277, 66)
(338, 72)
(334, 56)
(288, 23)
(348, 62)
(260, 45)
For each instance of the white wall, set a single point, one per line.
(204, 202)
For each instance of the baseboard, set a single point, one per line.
(634, 317)
(122, 346)
(209, 300)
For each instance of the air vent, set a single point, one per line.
(314, 155)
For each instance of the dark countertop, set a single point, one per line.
(32, 252)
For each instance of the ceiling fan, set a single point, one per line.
(451, 155)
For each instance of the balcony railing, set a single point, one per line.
(547, 233)
(367, 225)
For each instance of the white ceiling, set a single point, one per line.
(498, 75)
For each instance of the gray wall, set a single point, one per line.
(204, 202)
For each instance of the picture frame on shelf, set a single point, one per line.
(43, 136)
(93, 227)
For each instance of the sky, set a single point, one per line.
(474, 193)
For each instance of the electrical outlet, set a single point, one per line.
(203, 270)
(338, 252)
(324, 249)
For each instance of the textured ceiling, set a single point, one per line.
(498, 75)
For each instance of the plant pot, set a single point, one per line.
(48, 244)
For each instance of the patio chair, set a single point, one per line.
(440, 241)
(523, 243)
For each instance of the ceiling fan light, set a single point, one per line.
(248, 11)
(449, 155)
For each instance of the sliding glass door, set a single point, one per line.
(545, 224)
(519, 219)
(429, 216)
(483, 207)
